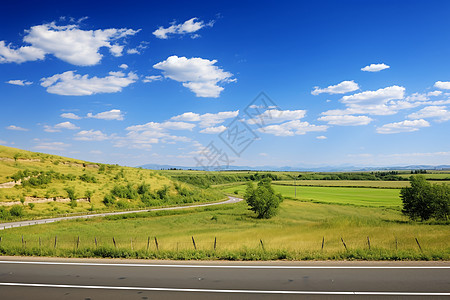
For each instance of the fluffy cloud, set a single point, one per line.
(404, 126)
(439, 112)
(152, 78)
(70, 116)
(321, 137)
(123, 66)
(143, 136)
(56, 146)
(340, 88)
(68, 43)
(375, 67)
(188, 27)
(70, 84)
(379, 102)
(213, 130)
(291, 128)
(208, 119)
(444, 85)
(113, 114)
(9, 54)
(19, 82)
(199, 75)
(90, 135)
(16, 128)
(59, 126)
(273, 116)
(346, 120)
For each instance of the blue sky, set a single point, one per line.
(350, 82)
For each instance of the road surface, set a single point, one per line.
(35, 278)
(51, 220)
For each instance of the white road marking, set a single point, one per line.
(162, 289)
(216, 266)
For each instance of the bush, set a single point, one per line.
(263, 199)
(16, 211)
(31, 205)
(109, 200)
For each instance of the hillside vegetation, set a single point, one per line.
(37, 185)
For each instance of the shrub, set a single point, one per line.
(31, 205)
(16, 211)
(109, 200)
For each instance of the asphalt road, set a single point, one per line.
(105, 279)
(51, 220)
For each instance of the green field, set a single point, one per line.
(296, 233)
(346, 183)
(336, 195)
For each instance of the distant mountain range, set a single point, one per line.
(340, 168)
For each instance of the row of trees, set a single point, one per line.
(425, 201)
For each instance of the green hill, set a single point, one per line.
(46, 185)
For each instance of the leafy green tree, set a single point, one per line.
(424, 201)
(262, 199)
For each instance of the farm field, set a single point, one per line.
(346, 183)
(336, 195)
(295, 233)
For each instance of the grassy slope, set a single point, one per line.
(105, 181)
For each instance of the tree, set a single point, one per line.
(424, 201)
(263, 199)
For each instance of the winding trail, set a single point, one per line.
(51, 220)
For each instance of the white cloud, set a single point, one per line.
(16, 128)
(123, 66)
(59, 126)
(68, 43)
(340, 88)
(70, 116)
(113, 114)
(70, 84)
(375, 67)
(20, 55)
(143, 136)
(404, 126)
(346, 120)
(90, 135)
(208, 119)
(444, 85)
(188, 27)
(199, 75)
(379, 102)
(273, 116)
(291, 128)
(19, 82)
(152, 78)
(439, 112)
(57, 146)
(213, 130)
(321, 137)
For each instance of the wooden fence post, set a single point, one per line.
(156, 243)
(262, 244)
(95, 241)
(193, 242)
(345, 246)
(56, 238)
(148, 243)
(114, 241)
(418, 244)
(215, 243)
(78, 241)
(323, 242)
(368, 242)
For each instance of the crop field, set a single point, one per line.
(336, 195)
(296, 233)
(346, 183)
